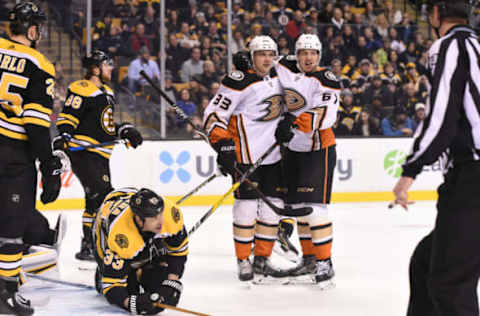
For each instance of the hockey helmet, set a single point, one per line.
(146, 203)
(450, 9)
(96, 58)
(308, 41)
(23, 16)
(262, 42)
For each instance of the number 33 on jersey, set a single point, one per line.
(247, 109)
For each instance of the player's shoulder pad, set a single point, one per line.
(238, 80)
(29, 53)
(84, 88)
(124, 238)
(172, 218)
(290, 62)
(327, 78)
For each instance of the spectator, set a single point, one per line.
(208, 77)
(348, 114)
(169, 88)
(327, 13)
(389, 75)
(176, 55)
(187, 106)
(372, 43)
(363, 75)
(337, 20)
(238, 43)
(350, 67)
(382, 53)
(349, 39)
(143, 62)
(397, 44)
(393, 16)
(201, 23)
(269, 23)
(284, 45)
(150, 23)
(378, 89)
(296, 26)
(411, 75)
(192, 66)
(366, 125)
(3, 30)
(282, 13)
(237, 13)
(397, 124)
(362, 52)
(419, 115)
(139, 39)
(313, 21)
(114, 44)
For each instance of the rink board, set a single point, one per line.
(366, 170)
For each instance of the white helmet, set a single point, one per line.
(262, 42)
(308, 41)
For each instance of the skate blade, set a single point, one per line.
(289, 254)
(307, 279)
(268, 280)
(325, 285)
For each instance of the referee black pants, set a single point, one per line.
(445, 266)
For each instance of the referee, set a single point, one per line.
(445, 266)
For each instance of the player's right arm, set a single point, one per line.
(220, 109)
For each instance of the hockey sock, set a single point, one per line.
(265, 236)
(322, 240)
(305, 238)
(243, 238)
(88, 218)
(10, 264)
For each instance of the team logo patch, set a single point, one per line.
(331, 76)
(83, 84)
(175, 214)
(121, 240)
(237, 75)
(107, 121)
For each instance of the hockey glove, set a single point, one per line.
(226, 158)
(60, 142)
(51, 170)
(142, 304)
(130, 133)
(241, 60)
(170, 290)
(283, 133)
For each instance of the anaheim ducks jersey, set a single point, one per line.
(88, 116)
(247, 109)
(27, 87)
(314, 99)
(120, 246)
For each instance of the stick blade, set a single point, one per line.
(294, 212)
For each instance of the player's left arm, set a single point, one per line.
(177, 251)
(326, 102)
(37, 109)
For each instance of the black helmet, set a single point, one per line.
(146, 203)
(96, 58)
(24, 15)
(450, 9)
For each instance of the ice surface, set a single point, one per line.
(371, 251)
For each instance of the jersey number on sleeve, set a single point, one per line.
(113, 260)
(223, 101)
(11, 101)
(75, 101)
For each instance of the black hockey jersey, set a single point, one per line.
(27, 87)
(88, 116)
(120, 246)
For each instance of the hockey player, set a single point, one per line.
(26, 98)
(312, 100)
(240, 121)
(87, 119)
(140, 241)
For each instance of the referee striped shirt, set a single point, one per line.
(451, 129)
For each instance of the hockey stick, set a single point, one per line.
(47, 279)
(196, 189)
(161, 305)
(113, 142)
(233, 188)
(175, 107)
(287, 211)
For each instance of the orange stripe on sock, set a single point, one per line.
(242, 250)
(307, 247)
(323, 251)
(263, 248)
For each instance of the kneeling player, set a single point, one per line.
(140, 241)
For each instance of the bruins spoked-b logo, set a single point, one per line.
(108, 123)
(121, 240)
(175, 214)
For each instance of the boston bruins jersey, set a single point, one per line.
(314, 99)
(27, 88)
(88, 116)
(247, 109)
(120, 246)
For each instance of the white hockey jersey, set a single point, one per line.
(314, 99)
(247, 109)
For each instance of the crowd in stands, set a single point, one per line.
(374, 47)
